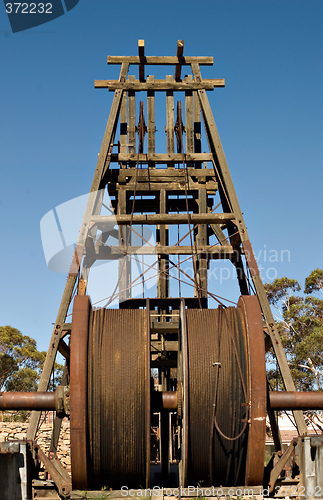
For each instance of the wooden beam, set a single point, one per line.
(170, 117)
(189, 117)
(117, 252)
(161, 157)
(159, 85)
(163, 60)
(202, 240)
(162, 243)
(124, 236)
(141, 52)
(64, 349)
(123, 127)
(178, 68)
(153, 219)
(197, 126)
(278, 467)
(146, 174)
(151, 116)
(172, 185)
(168, 345)
(131, 119)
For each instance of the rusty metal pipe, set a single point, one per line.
(169, 399)
(64, 486)
(28, 401)
(164, 400)
(295, 400)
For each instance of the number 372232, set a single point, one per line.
(32, 8)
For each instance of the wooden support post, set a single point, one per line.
(90, 237)
(162, 238)
(58, 420)
(178, 68)
(221, 237)
(131, 119)
(125, 262)
(170, 118)
(223, 172)
(273, 420)
(197, 126)
(189, 120)
(141, 52)
(123, 128)
(189, 117)
(202, 239)
(151, 117)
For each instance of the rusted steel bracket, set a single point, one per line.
(58, 474)
(277, 469)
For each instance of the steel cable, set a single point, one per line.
(217, 374)
(117, 397)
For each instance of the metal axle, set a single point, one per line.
(46, 401)
(292, 400)
(161, 400)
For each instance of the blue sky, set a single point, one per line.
(269, 117)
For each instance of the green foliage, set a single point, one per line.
(280, 289)
(20, 361)
(300, 324)
(314, 282)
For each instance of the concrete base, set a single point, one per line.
(15, 471)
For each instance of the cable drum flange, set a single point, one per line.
(218, 399)
(78, 392)
(117, 399)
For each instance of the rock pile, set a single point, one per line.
(17, 431)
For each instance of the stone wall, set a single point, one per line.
(17, 430)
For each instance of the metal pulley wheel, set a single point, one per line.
(110, 397)
(223, 378)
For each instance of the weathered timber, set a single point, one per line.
(160, 157)
(141, 53)
(159, 85)
(202, 240)
(163, 60)
(123, 129)
(124, 269)
(210, 251)
(197, 127)
(162, 240)
(171, 185)
(131, 120)
(179, 54)
(107, 220)
(189, 116)
(170, 118)
(151, 117)
(161, 172)
(169, 345)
